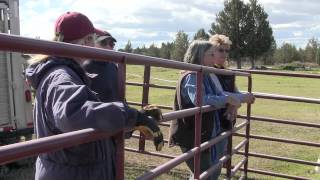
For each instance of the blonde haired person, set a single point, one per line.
(222, 44)
(64, 102)
(182, 130)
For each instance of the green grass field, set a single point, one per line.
(288, 86)
(137, 164)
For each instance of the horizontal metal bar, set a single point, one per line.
(275, 174)
(222, 136)
(240, 126)
(140, 104)
(286, 98)
(136, 136)
(215, 140)
(281, 121)
(238, 166)
(277, 73)
(239, 146)
(223, 159)
(165, 107)
(268, 138)
(265, 156)
(176, 161)
(134, 103)
(150, 153)
(151, 174)
(151, 85)
(15, 43)
(180, 114)
(205, 108)
(17, 151)
(165, 124)
(206, 174)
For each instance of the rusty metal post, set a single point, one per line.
(228, 163)
(197, 130)
(145, 101)
(246, 149)
(119, 138)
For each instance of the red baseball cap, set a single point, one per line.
(73, 25)
(101, 35)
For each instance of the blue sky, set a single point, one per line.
(156, 21)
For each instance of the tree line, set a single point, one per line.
(247, 26)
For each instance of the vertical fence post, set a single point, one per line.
(246, 149)
(228, 164)
(119, 138)
(145, 101)
(197, 131)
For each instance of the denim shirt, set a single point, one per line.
(211, 95)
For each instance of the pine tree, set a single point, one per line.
(128, 47)
(311, 50)
(153, 51)
(180, 46)
(201, 35)
(165, 50)
(235, 21)
(287, 53)
(260, 38)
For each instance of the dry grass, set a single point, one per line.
(137, 164)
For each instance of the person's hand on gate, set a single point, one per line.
(148, 126)
(233, 101)
(249, 98)
(153, 111)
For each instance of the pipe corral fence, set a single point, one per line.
(14, 152)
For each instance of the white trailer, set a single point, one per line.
(15, 95)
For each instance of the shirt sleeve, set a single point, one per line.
(73, 106)
(237, 95)
(188, 92)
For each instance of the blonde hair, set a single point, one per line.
(219, 39)
(59, 38)
(41, 57)
(196, 52)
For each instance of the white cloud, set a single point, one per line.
(285, 26)
(297, 33)
(145, 21)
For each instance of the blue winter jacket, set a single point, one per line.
(64, 102)
(105, 81)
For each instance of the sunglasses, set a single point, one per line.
(221, 50)
(107, 43)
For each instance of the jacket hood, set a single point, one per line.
(35, 72)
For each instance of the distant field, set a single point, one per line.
(270, 108)
(136, 164)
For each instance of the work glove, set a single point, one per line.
(148, 126)
(153, 111)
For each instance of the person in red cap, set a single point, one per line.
(64, 102)
(105, 82)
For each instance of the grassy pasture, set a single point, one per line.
(288, 86)
(136, 164)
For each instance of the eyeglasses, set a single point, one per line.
(105, 43)
(221, 50)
